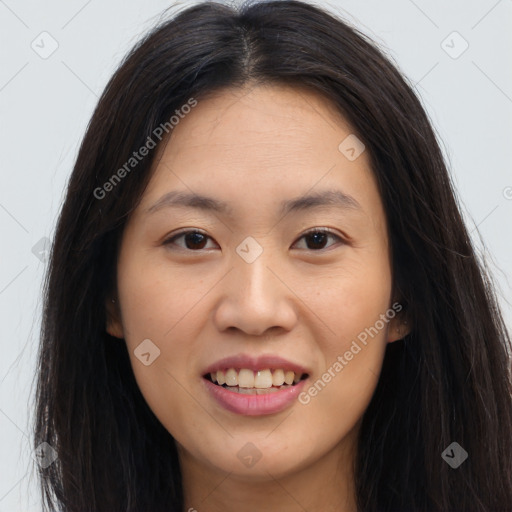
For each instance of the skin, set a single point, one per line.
(252, 148)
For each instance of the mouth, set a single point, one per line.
(254, 386)
(260, 382)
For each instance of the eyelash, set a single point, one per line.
(325, 231)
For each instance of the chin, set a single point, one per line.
(258, 460)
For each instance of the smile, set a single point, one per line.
(254, 386)
(261, 382)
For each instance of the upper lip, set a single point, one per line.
(255, 363)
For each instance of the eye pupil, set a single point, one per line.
(318, 238)
(194, 239)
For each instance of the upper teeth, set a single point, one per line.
(245, 378)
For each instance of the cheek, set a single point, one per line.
(354, 308)
(157, 301)
(157, 305)
(352, 299)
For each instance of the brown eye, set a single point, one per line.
(316, 239)
(193, 240)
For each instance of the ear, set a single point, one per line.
(114, 325)
(399, 327)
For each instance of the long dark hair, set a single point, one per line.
(447, 381)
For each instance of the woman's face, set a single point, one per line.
(259, 292)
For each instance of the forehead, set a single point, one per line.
(279, 117)
(260, 144)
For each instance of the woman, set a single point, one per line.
(204, 346)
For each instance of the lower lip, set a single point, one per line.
(254, 405)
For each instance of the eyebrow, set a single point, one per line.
(325, 198)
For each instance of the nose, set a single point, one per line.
(255, 298)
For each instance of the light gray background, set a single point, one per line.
(46, 105)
